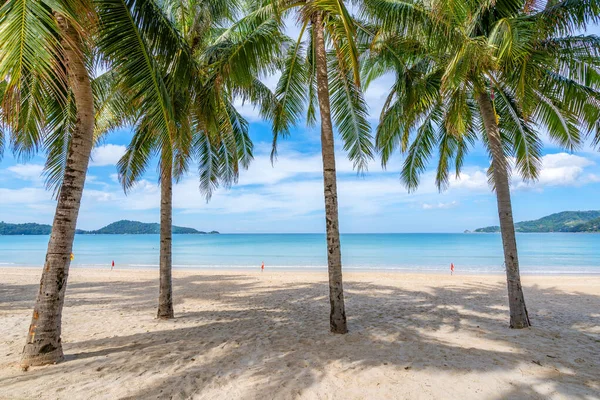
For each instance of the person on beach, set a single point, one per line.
(451, 268)
(262, 267)
(113, 265)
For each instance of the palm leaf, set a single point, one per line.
(291, 92)
(420, 150)
(60, 124)
(29, 63)
(132, 33)
(138, 155)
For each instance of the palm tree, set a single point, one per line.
(313, 73)
(208, 129)
(495, 71)
(48, 51)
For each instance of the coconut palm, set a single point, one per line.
(49, 49)
(208, 129)
(496, 71)
(321, 69)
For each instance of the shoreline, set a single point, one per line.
(242, 270)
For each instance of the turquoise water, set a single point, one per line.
(538, 253)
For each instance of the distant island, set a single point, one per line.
(123, 227)
(566, 221)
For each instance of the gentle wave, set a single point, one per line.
(323, 268)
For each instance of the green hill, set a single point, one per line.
(24, 229)
(125, 227)
(119, 227)
(566, 221)
(590, 226)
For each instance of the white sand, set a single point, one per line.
(264, 336)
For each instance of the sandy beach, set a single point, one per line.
(266, 336)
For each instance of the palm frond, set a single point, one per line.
(291, 92)
(391, 131)
(560, 123)
(340, 24)
(2, 140)
(350, 114)
(208, 164)
(566, 16)
(448, 146)
(420, 150)
(246, 50)
(240, 130)
(311, 66)
(30, 64)
(60, 124)
(140, 150)
(113, 110)
(142, 46)
(525, 141)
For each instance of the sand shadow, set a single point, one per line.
(395, 332)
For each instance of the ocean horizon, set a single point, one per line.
(539, 253)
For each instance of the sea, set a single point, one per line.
(539, 253)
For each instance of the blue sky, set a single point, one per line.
(288, 197)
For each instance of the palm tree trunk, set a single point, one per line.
(43, 340)
(516, 300)
(337, 317)
(165, 296)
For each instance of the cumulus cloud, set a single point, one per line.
(30, 172)
(107, 154)
(289, 164)
(294, 188)
(24, 196)
(561, 169)
(261, 172)
(474, 181)
(439, 205)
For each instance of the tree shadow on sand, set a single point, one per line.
(250, 342)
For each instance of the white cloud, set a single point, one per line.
(440, 205)
(262, 172)
(250, 112)
(561, 169)
(288, 196)
(377, 93)
(108, 154)
(30, 172)
(145, 195)
(289, 164)
(294, 188)
(99, 195)
(24, 196)
(473, 181)
(559, 160)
